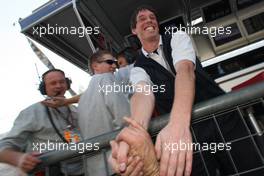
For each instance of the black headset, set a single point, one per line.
(42, 86)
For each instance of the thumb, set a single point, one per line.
(114, 147)
(122, 156)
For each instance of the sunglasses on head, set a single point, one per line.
(109, 61)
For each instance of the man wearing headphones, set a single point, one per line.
(38, 127)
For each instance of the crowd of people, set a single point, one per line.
(163, 60)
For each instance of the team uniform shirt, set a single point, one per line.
(32, 128)
(101, 110)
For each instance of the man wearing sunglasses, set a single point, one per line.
(100, 109)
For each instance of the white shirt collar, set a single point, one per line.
(146, 53)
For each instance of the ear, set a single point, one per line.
(134, 31)
(94, 66)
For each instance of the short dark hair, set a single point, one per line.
(133, 19)
(97, 56)
(129, 54)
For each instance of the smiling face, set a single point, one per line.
(146, 27)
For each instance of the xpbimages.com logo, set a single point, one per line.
(211, 147)
(80, 147)
(212, 31)
(64, 30)
(146, 89)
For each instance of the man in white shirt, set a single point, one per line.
(170, 61)
(142, 104)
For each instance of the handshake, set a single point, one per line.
(135, 142)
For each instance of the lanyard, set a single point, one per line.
(67, 118)
(54, 126)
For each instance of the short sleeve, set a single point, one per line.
(139, 75)
(182, 48)
(19, 134)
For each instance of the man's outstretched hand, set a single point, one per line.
(140, 145)
(28, 161)
(174, 160)
(133, 166)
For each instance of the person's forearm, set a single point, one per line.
(142, 104)
(184, 95)
(10, 156)
(73, 100)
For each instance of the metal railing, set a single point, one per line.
(242, 102)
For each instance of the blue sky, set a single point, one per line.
(18, 75)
